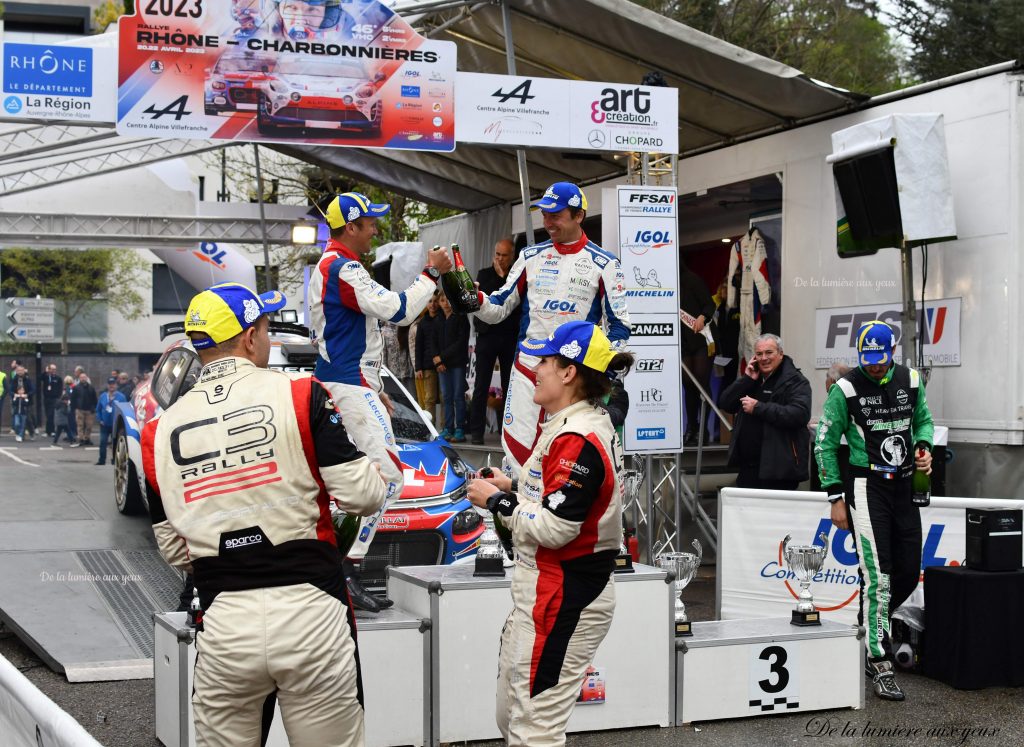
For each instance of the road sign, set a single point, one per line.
(22, 315)
(30, 303)
(31, 333)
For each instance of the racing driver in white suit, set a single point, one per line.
(567, 278)
(346, 308)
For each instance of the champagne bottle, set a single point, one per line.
(503, 532)
(459, 287)
(346, 526)
(922, 485)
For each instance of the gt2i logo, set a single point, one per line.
(175, 8)
(630, 106)
(559, 307)
(174, 109)
(650, 365)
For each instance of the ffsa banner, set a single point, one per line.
(835, 331)
(331, 72)
(648, 252)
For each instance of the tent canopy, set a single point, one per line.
(725, 93)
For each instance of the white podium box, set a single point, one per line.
(467, 615)
(739, 668)
(395, 657)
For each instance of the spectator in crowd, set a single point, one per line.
(396, 352)
(72, 415)
(5, 385)
(696, 311)
(51, 386)
(421, 338)
(772, 403)
(20, 404)
(494, 342)
(62, 412)
(105, 415)
(83, 400)
(835, 372)
(451, 344)
(125, 385)
(21, 379)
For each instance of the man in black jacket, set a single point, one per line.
(494, 342)
(83, 401)
(51, 386)
(696, 310)
(772, 403)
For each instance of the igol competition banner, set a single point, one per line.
(323, 72)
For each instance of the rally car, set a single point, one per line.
(431, 523)
(320, 94)
(232, 84)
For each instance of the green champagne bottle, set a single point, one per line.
(459, 287)
(922, 485)
(346, 526)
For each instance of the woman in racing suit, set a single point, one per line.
(565, 515)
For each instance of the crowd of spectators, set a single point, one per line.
(70, 407)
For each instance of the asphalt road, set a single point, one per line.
(120, 714)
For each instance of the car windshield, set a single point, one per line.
(322, 69)
(245, 65)
(406, 420)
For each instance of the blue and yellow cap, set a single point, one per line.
(580, 342)
(559, 196)
(349, 206)
(223, 311)
(875, 341)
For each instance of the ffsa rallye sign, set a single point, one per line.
(330, 72)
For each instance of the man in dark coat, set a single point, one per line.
(772, 403)
(52, 386)
(494, 342)
(695, 312)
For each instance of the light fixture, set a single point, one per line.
(304, 233)
(726, 240)
(289, 316)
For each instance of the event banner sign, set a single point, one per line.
(349, 73)
(648, 252)
(753, 579)
(835, 331)
(57, 82)
(556, 113)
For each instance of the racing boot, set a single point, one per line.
(884, 681)
(361, 598)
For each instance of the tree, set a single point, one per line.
(108, 12)
(77, 280)
(841, 42)
(953, 36)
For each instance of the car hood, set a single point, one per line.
(317, 84)
(428, 471)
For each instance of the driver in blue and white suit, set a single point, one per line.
(567, 278)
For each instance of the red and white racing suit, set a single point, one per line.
(749, 289)
(346, 307)
(240, 474)
(554, 284)
(566, 523)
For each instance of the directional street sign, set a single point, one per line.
(30, 303)
(24, 315)
(27, 333)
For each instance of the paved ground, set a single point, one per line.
(120, 714)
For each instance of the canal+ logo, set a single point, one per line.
(842, 553)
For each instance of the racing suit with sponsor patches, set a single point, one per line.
(553, 284)
(566, 524)
(346, 307)
(883, 421)
(240, 474)
(749, 289)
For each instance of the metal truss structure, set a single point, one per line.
(30, 140)
(44, 230)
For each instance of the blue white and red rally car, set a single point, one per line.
(431, 523)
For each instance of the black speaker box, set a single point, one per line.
(994, 539)
(867, 187)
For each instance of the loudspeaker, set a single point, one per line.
(868, 190)
(993, 539)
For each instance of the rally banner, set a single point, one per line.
(835, 331)
(57, 82)
(555, 113)
(753, 579)
(339, 72)
(647, 249)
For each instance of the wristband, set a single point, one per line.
(501, 503)
(515, 484)
(834, 498)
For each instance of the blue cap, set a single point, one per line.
(580, 342)
(223, 311)
(350, 206)
(875, 341)
(559, 196)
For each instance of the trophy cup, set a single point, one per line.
(489, 554)
(805, 561)
(632, 479)
(683, 566)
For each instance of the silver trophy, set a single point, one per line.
(805, 561)
(632, 480)
(489, 554)
(683, 566)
